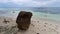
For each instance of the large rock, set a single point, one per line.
(23, 20)
(8, 26)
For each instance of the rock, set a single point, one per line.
(37, 33)
(23, 20)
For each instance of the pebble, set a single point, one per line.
(37, 33)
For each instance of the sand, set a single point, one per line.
(7, 26)
(39, 26)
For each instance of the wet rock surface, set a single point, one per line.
(23, 20)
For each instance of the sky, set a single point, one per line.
(29, 3)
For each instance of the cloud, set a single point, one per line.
(29, 3)
(54, 4)
(42, 3)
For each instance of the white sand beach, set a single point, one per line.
(37, 26)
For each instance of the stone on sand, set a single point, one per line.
(23, 20)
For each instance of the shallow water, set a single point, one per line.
(47, 16)
(52, 14)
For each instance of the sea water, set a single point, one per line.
(52, 13)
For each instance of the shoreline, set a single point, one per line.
(38, 25)
(45, 19)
